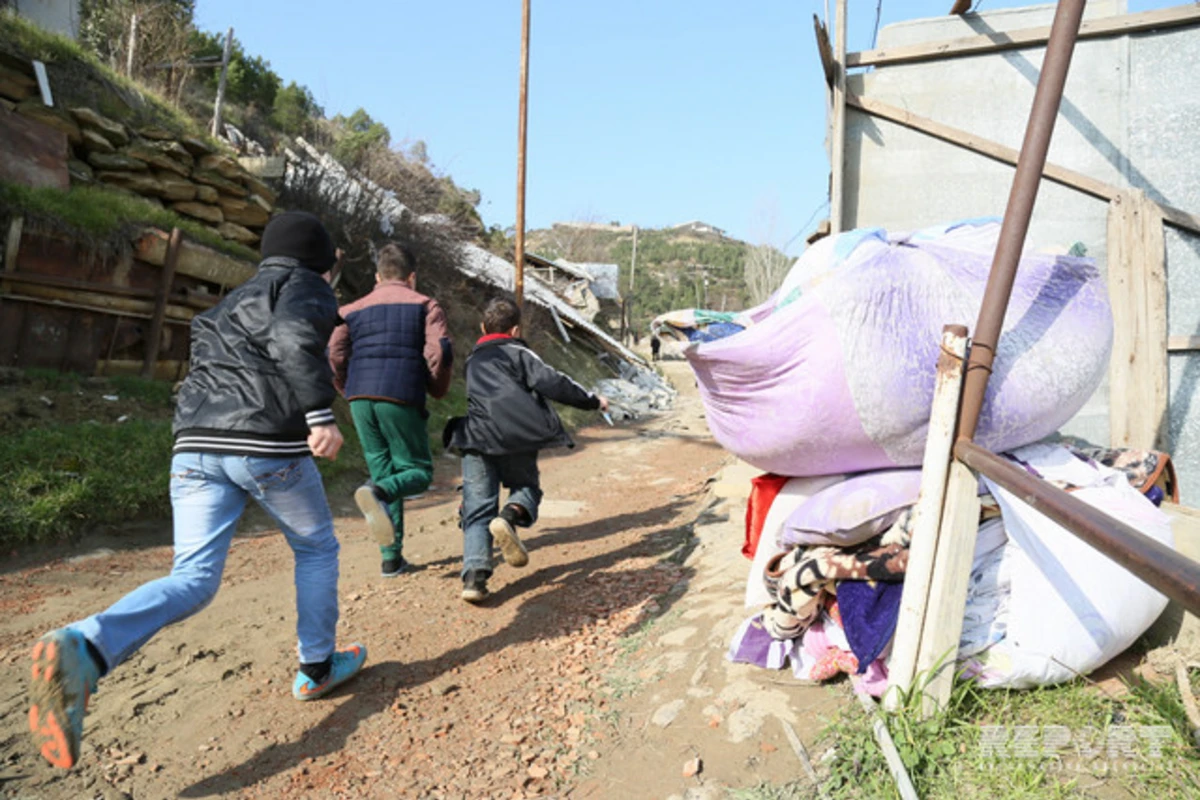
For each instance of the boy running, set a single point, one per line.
(508, 421)
(393, 350)
(252, 412)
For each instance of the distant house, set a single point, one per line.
(608, 227)
(59, 16)
(699, 228)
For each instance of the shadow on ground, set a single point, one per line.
(555, 613)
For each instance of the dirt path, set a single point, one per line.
(595, 672)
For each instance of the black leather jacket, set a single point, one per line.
(259, 376)
(507, 389)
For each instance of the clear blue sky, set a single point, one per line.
(651, 112)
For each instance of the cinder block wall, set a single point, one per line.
(1127, 119)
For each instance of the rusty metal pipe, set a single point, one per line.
(1176, 576)
(1030, 163)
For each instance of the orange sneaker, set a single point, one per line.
(64, 676)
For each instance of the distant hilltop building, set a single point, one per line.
(59, 16)
(610, 227)
(697, 227)
(694, 227)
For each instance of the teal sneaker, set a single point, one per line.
(346, 664)
(64, 676)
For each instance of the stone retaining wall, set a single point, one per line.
(185, 174)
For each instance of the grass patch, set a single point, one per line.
(59, 480)
(107, 218)
(1054, 742)
(153, 393)
(80, 79)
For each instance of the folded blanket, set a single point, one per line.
(799, 580)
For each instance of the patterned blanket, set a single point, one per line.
(800, 580)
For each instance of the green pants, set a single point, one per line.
(395, 443)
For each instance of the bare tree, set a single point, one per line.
(764, 270)
(352, 211)
(579, 241)
(163, 37)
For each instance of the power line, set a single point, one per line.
(804, 228)
(878, 16)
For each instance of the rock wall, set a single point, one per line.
(183, 173)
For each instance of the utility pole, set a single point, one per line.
(627, 306)
(129, 55)
(216, 122)
(633, 262)
(837, 147)
(522, 118)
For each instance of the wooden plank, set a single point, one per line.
(837, 134)
(1025, 37)
(195, 260)
(558, 323)
(824, 50)
(1180, 218)
(199, 301)
(12, 243)
(978, 144)
(1182, 344)
(959, 528)
(165, 279)
(92, 300)
(1119, 249)
(32, 153)
(59, 303)
(1157, 415)
(1008, 155)
(927, 516)
(1138, 292)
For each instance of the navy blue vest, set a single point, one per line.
(387, 358)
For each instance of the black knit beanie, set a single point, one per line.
(299, 235)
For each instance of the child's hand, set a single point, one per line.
(603, 402)
(325, 441)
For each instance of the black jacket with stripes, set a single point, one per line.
(259, 377)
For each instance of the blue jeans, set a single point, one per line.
(482, 477)
(208, 494)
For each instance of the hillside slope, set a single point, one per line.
(676, 268)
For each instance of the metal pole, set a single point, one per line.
(1042, 115)
(1155, 563)
(837, 133)
(519, 248)
(216, 122)
(129, 55)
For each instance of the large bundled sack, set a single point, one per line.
(697, 324)
(836, 372)
(1052, 607)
